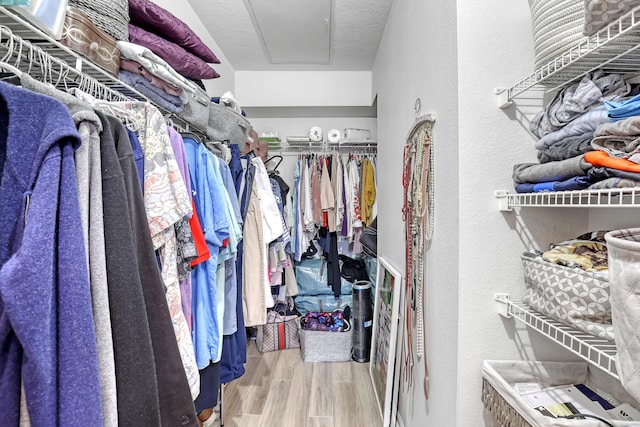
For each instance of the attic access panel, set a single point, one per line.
(293, 31)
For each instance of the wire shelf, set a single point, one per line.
(614, 49)
(596, 351)
(290, 147)
(614, 197)
(34, 51)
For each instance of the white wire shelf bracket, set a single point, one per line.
(614, 197)
(614, 49)
(596, 351)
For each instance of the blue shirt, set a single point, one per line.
(208, 198)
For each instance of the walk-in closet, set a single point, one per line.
(307, 213)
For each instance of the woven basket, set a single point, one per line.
(111, 16)
(503, 413)
(325, 346)
(509, 409)
(557, 26)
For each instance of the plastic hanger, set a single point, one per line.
(275, 168)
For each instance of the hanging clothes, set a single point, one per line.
(234, 347)
(166, 202)
(208, 200)
(316, 202)
(368, 192)
(55, 358)
(89, 179)
(254, 252)
(126, 296)
(338, 190)
(263, 224)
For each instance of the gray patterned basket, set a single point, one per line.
(325, 346)
(111, 16)
(575, 297)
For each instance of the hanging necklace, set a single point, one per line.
(417, 212)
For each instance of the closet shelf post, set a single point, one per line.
(504, 100)
(503, 300)
(503, 200)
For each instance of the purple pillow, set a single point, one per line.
(179, 59)
(152, 17)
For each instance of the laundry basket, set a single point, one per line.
(557, 26)
(325, 346)
(509, 409)
(623, 247)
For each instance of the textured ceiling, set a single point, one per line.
(357, 29)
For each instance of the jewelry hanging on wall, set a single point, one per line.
(417, 213)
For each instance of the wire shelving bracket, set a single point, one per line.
(596, 351)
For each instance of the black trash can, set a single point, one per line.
(362, 321)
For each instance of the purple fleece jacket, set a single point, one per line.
(46, 322)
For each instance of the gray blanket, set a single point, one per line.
(567, 148)
(575, 100)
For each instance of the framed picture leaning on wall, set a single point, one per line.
(385, 334)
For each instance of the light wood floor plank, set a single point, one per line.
(365, 407)
(343, 405)
(247, 394)
(286, 363)
(319, 422)
(274, 407)
(297, 409)
(342, 371)
(320, 401)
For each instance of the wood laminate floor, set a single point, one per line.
(278, 389)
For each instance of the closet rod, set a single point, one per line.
(296, 150)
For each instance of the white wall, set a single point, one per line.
(452, 56)
(417, 59)
(304, 88)
(495, 49)
(184, 11)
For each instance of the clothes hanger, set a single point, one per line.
(10, 68)
(275, 168)
(192, 136)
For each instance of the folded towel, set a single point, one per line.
(171, 103)
(137, 68)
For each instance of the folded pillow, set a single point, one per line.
(179, 59)
(152, 17)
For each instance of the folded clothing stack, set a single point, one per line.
(589, 138)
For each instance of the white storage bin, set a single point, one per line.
(508, 409)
